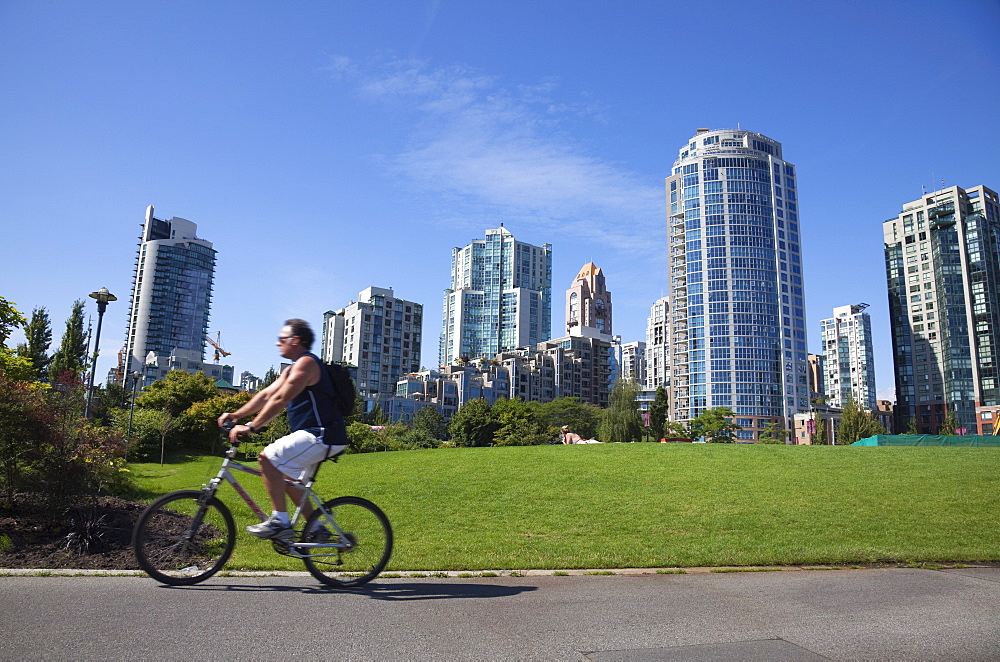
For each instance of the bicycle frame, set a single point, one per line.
(225, 473)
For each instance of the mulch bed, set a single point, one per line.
(95, 534)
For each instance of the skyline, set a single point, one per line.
(392, 132)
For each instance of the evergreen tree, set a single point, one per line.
(950, 425)
(857, 424)
(71, 357)
(773, 433)
(715, 425)
(38, 336)
(376, 416)
(911, 426)
(819, 439)
(621, 422)
(270, 377)
(658, 414)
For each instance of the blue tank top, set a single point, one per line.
(314, 410)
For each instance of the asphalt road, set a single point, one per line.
(874, 614)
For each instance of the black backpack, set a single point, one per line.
(343, 387)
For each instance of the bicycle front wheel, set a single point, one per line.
(357, 556)
(179, 540)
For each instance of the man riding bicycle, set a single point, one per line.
(318, 429)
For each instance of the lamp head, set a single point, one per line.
(103, 296)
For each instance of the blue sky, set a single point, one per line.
(324, 147)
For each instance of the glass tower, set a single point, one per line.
(942, 256)
(171, 297)
(737, 307)
(500, 298)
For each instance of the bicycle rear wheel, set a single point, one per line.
(179, 541)
(357, 557)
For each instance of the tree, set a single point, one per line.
(10, 319)
(819, 439)
(773, 433)
(177, 391)
(376, 416)
(911, 426)
(516, 424)
(715, 425)
(429, 420)
(856, 424)
(16, 367)
(71, 357)
(581, 417)
(473, 424)
(38, 338)
(199, 422)
(950, 425)
(621, 422)
(270, 377)
(658, 414)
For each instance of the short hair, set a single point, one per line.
(301, 329)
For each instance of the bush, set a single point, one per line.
(390, 438)
(47, 447)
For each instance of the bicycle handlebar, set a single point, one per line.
(227, 427)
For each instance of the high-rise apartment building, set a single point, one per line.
(737, 306)
(378, 333)
(658, 345)
(588, 301)
(171, 300)
(631, 360)
(849, 358)
(942, 255)
(500, 298)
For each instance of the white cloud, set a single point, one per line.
(483, 146)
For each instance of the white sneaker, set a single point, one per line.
(270, 528)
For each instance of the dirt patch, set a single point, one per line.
(93, 536)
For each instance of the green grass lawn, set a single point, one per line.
(652, 505)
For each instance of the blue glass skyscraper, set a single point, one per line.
(171, 298)
(737, 306)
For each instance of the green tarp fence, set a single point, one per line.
(927, 440)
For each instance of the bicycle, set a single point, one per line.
(185, 537)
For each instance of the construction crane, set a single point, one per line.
(219, 352)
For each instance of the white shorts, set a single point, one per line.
(297, 454)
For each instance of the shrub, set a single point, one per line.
(46, 447)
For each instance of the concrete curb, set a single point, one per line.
(469, 574)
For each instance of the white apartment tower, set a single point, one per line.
(500, 298)
(378, 333)
(737, 304)
(657, 345)
(849, 357)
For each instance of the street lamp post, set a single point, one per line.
(103, 297)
